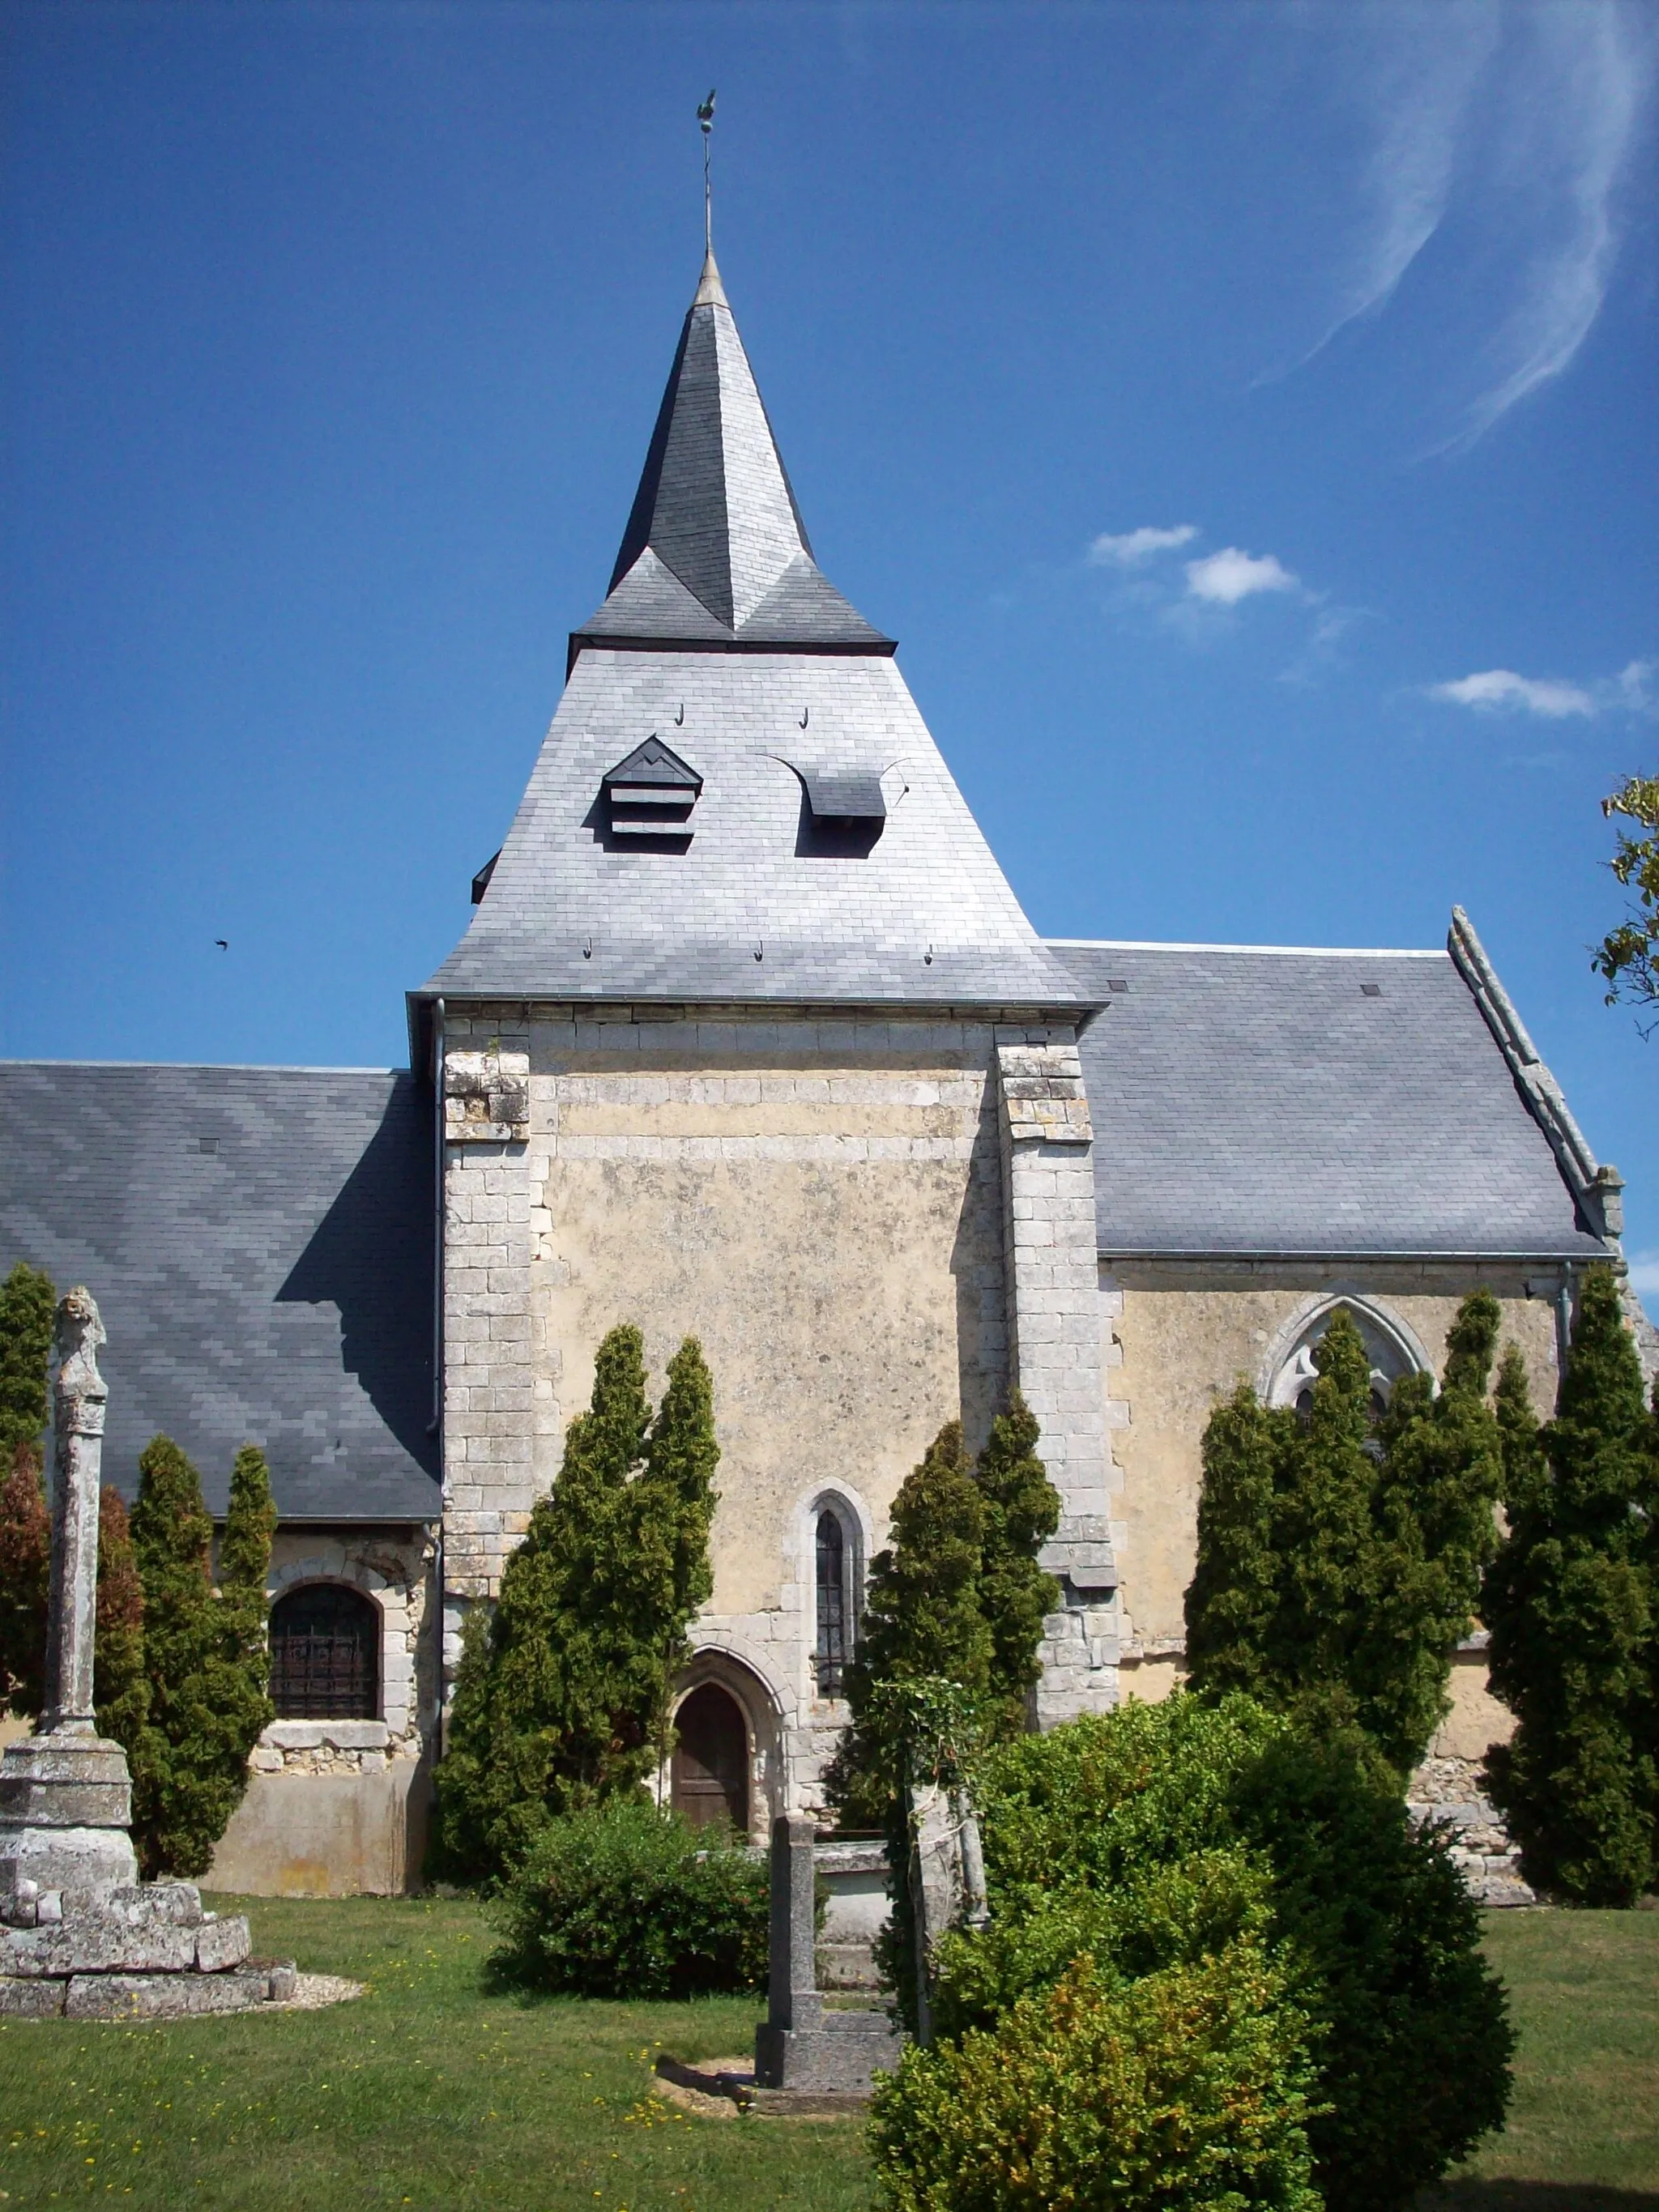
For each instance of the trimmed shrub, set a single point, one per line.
(1022, 1510)
(1182, 2091)
(624, 1900)
(1156, 1836)
(120, 1691)
(562, 1697)
(1339, 1566)
(25, 1579)
(28, 1307)
(1572, 1603)
(207, 1701)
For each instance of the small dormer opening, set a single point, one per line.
(843, 811)
(648, 798)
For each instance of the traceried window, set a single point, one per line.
(325, 1655)
(1293, 1383)
(836, 1591)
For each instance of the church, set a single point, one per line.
(748, 1038)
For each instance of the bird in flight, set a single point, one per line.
(223, 944)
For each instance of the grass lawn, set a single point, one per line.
(427, 2093)
(1583, 2127)
(421, 2094)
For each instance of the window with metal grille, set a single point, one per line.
(325, 1655)
(834, 1611)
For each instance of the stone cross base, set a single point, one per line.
(65, 1800)
(802, 2045)
(836, 2056)
(137, 1953)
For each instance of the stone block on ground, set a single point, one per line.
(836, 2057)
(33, 1999)
(164, 1996)
(220, 1944)
(95, 1942)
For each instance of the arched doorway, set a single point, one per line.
(709, 1780)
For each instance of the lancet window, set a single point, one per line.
(836, 1555)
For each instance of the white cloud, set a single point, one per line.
(1496, 689)
(1645, 1274)
(1634, 684)
(1223, 578)
(1135, 546)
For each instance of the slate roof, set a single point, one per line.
(259, 1243)
(715, 552)
(1247, 1100)
(754, 907)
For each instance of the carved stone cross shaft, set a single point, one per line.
(80, 1397)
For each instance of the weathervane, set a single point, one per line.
(706, 117)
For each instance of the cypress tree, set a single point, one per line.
(1232, 1601)
(207, 1703)
(562, 1697)
(1439, 1479)
(1021, 1510)
(121, 1690)
(243, 1660)
(28, 1306)
(25, 1579)
(922, 1620)
(1570, 1601)
(674, 1506)
(1338, 1568)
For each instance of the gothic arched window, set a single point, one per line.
(836, 1587)
(1390, 1357)
(325, 1655)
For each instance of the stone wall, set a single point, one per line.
(336, 1807)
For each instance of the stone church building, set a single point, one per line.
(748, 1038)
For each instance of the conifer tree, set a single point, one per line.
(561, 1697)
(1338, 1568)
(24, 1577)
(28, 1306)
(1570, 1604)
(1232, 1601)
(121, 1690)
(922, 1622)
(1021, 1511)
(206, 1698)
(243, 1659)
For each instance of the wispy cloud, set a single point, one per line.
(1133, 548)
(1421, 89)
(1645, 1274)
(1524, 124)
(1495, 690)
(1223, 578)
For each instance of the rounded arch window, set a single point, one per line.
(325, 1655)
(1293, 1380)
(836, 1588)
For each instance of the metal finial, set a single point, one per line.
(706, 117)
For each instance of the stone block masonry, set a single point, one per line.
(1055, 1344)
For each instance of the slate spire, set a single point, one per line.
(716, 552)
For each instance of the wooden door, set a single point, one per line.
(709, 1776)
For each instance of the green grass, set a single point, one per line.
(424, 2093)
(428, 2093)
(1583, 2126)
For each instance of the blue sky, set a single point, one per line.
(1243, 415)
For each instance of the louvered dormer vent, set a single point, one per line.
(650, 795)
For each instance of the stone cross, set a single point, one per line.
(80, 1402)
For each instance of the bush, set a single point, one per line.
(624, 1900)
(1186, 2089)
(1162, 1836)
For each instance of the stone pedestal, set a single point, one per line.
(804, 2045)
(65, 1804)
